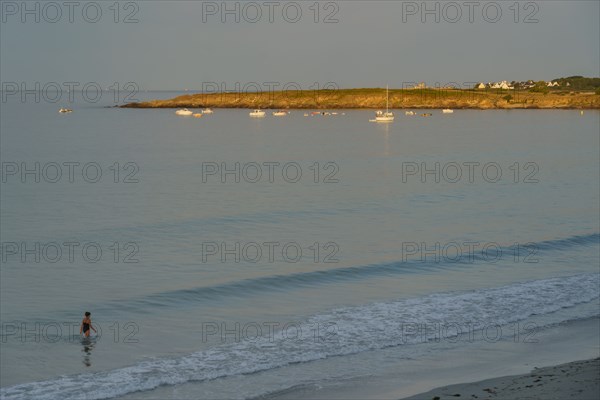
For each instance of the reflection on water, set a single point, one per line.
(386, 136)
(88, 346)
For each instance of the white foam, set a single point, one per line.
(357, 329)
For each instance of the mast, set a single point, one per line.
(387, 100)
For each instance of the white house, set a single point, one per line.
(553, 84)
(481, 85)
(501, 85)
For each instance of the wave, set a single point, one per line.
(357, 329)
(566, 243)
(247, 287)
(284, 282)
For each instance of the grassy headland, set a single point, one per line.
(376, 99)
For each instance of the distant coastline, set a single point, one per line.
(374, 98)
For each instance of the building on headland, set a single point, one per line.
(413, 85)
(501, 85)
(504, 85)
(495, 85)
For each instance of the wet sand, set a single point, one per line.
(508, 369)
(574, 380)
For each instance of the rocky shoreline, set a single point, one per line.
(376, 99)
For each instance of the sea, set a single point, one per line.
(236, 257)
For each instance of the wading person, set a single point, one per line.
(86, 325)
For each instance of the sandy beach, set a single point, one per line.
(508, 369)
(574, 380)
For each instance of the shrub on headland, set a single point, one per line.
(578, 82)
(540, 87)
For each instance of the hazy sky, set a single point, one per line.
(183, 44)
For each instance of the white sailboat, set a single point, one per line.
(386, 116)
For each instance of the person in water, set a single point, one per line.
(86, 325)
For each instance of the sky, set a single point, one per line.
(176, 45)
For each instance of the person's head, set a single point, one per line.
(87, 314)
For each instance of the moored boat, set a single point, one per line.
(386, 116)
(381, 116)
(184, 112)
(257, 114)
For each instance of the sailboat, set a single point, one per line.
(386, 116)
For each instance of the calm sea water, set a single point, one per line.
(336, 236)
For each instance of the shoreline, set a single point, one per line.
(370, 99)
(447, 365)
(358, 108)
(576, 379)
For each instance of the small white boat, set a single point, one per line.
(447, 111)
(257, 113)
(381, 116)
(65, 110)
(410, 113)
(386, 116)
(280, 113)
(306, 114)
(207, 111)
(184, 112)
